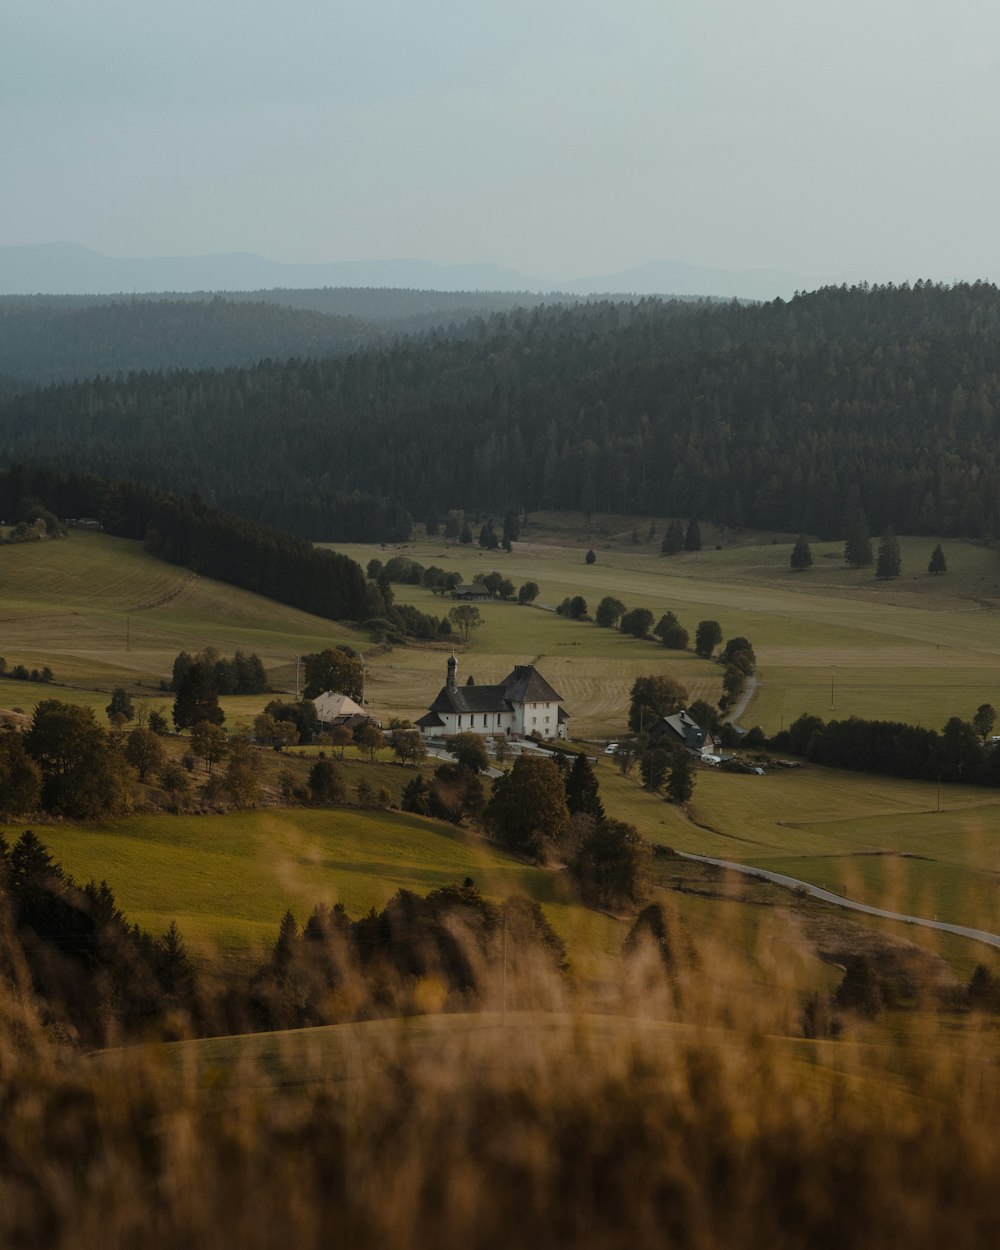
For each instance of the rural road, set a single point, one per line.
(792, 883)
(749, 690)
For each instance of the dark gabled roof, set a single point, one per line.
(523, 685)
(526, 685)
(683, 729)
(430, 720)
(472, 699)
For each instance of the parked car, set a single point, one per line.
(611, 748)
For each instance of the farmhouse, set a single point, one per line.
(524, 703)
(681, 730)
(334, 709)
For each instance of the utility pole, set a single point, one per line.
(297, 659)
(128, 633)
(833, 673)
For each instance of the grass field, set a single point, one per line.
(101, 612)
(832, 641)
(228, 879)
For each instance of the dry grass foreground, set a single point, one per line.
(679, 1117)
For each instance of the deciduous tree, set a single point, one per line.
(652, 698)
(469, 749)
(611, 867)
(707, 637)
(528, 811)
(465, 617)
(609, 612)
(671, 632)
(336, 668)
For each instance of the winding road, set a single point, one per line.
(792, 883)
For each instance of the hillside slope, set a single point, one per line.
(782, 416)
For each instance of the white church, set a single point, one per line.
(523, 704)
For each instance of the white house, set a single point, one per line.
(524, 703)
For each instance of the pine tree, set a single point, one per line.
(680, 784)
(937, 563)
(801, 555)
(890, 562)
(673, 539)
(858, 547)
(591, 556)
(582, 791)
(692, 536)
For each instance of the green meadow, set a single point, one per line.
(228, 879)
(101, 612)
(832, 641)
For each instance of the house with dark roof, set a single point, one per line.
(681, 730)
(522, 704)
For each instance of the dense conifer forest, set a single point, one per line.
(44, 341)
(790, 415)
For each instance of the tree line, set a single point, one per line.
(962, 750)
(788, 415)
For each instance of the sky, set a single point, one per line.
(561, 138)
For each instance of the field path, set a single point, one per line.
(749, 690)
(792, 883)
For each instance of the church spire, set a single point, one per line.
(452, 673)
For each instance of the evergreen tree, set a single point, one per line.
(858, 547)
(582, 791)
(692, 536)
(673, 539)
(801, 555)
(653, 766)
(174, 968)
(937, 563)
(197, 698)
(591, 556)
(680, 784)
(325, 785)
(890, 562)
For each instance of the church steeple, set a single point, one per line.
(452, 673)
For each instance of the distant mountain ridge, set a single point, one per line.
(73, 269)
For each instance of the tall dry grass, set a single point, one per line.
(686, 1112)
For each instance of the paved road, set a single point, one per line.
(792, 883)
(749, 690)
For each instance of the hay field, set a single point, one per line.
(101, 612)
(918, 648)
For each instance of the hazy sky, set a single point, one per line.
(559, 137)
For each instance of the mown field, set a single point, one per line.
(832, 641)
